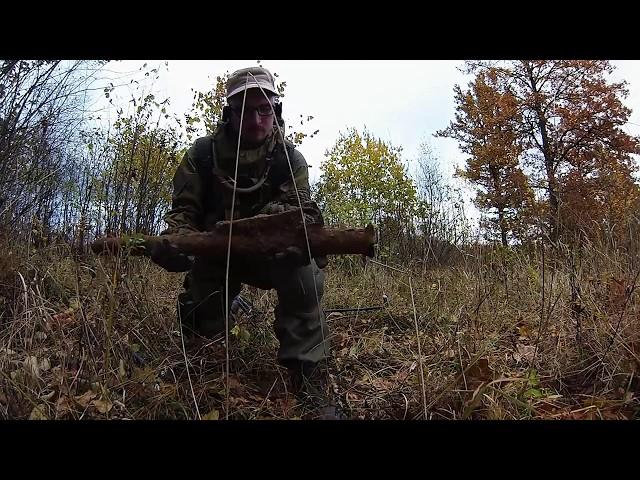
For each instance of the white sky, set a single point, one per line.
(403, 102)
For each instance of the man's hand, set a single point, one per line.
(273, 208)
(310, 210)
(167, 255)
(293, 255)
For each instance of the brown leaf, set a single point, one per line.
(64, 405)
(382, 383)
(525, 352)
(103, 405)
(480, 371)
(546, 408)
(524, 332)
(65, 317)
(84, 399)
(234, 384)
(353, 396)
(144, 375)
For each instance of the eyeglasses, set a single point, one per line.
(263, 110)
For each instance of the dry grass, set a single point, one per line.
(98, 338)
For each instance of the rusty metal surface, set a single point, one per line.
(262, 235)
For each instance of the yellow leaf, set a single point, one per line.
(212, 415)
(38, 413)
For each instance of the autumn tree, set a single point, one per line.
(557, 125)
(569, 120)
(487, 128)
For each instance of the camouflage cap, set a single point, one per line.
(258, 77)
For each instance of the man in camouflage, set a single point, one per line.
(202, 196)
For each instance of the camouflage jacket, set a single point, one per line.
(202, 184)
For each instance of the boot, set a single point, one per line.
(312, 387)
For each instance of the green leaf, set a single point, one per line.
(533, 393)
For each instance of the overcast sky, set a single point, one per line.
(403, 102)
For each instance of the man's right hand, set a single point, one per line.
(167, 255)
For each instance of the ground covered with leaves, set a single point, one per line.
(502, 335)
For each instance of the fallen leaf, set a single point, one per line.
(353, 396)
(84, 399)
(31, 365)
(524, 331)
(234, 383)
(38, 413)
(103, 406)
(63, 406)
(144, 375)
(533, 393)
(212, 415)
(63, 318)
(525, 352)
(7, 351)
(546, 408)
(480, 370)
(44, 364)
(47, 396)
(382, 384)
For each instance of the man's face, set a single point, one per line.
(257, 122)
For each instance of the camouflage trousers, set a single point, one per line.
(299, 320)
